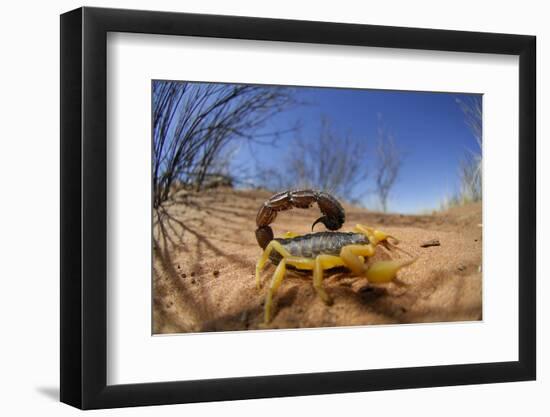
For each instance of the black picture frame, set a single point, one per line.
(84, 207)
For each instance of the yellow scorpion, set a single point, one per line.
(320, 251)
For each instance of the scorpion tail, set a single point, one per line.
(264, 235)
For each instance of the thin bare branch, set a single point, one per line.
(389, 162)
(194, 122)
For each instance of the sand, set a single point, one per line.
(205, 254)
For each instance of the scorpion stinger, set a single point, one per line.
(330, 223)
(333, 213)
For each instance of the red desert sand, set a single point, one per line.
(205, 254)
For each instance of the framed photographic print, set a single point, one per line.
(257, 207)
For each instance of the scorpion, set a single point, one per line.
(320, 251)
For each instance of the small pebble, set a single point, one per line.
(428, 243)
(462, 267)
(184, 275)
(193, 281)
(193, 273)
(216, 273)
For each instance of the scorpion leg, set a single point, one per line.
(318, 265)
(323, 262)
(273, 245)
(278, 276)
(297, 262)
(276, 281)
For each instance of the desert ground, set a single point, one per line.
(205, 253)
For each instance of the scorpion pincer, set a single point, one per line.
(320, 251)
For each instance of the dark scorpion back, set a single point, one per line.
(321, 243)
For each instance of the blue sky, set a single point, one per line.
(429, 128)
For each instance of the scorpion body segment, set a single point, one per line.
(333, 213)
(315, 244)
